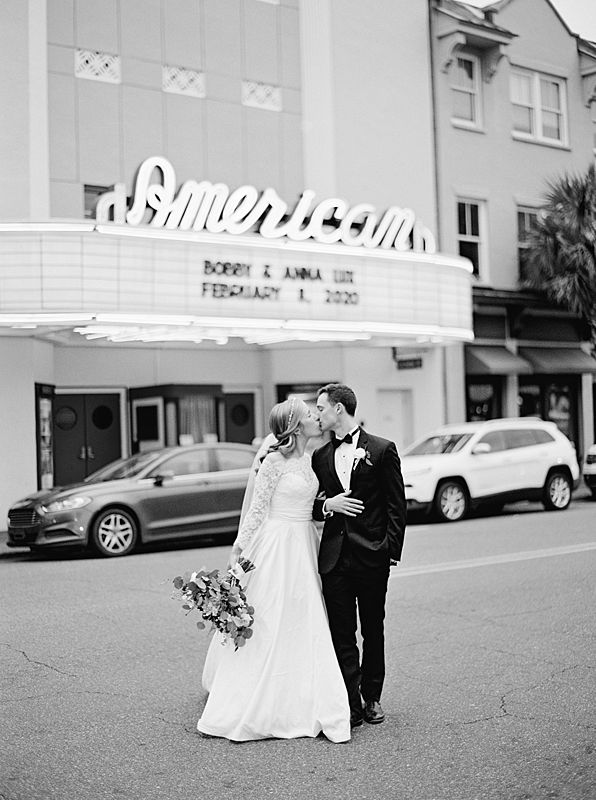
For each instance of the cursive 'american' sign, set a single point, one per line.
(202, 205)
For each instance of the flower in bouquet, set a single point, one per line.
(220, 600)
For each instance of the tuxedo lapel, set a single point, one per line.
(362, 443)
(362, 439)
(331, 466)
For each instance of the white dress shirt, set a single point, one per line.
(344, 459)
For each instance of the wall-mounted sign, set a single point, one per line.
(409, 363)
(212, 207)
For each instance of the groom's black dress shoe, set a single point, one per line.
(373, 713)
(355, 719)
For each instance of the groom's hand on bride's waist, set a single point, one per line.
(343, 504)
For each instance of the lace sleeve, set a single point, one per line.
(265, 483)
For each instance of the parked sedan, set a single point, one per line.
(173, 493)
(459, 467)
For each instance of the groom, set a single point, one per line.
(365, 519)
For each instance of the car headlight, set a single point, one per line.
(78, 501)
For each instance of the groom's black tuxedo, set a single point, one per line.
(377, 534)
(354, 559)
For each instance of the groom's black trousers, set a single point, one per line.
(346, 588)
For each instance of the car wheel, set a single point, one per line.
(451, 501)
(115, 532)
(593, 490)
(557, 492)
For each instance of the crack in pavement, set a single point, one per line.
(575, 666)
(40, 663)
(534, 659)
(523, 689)
(176, 724)
(68, 692)
(503, 709)
(550, 677)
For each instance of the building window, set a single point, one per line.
(483, 399)
(465, 91)
(539, 107)
(92, 194)
(526, 223)
(468, 232)
(554, 399)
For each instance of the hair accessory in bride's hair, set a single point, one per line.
(291, 414)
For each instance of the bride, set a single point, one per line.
(286, 681)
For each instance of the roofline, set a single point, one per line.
(484, 24)
(586, 47)
(499, 4)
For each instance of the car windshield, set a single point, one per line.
(125, 468)
(439, 444)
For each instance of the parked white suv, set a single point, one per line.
(459, 467)
(590, 470)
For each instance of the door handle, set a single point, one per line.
(86, 453)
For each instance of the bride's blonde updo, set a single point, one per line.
(284, 422)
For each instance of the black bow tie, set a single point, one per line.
(336, 442)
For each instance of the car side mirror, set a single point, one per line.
(162, 476)
(481, 448)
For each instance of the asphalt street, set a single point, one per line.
(490, 690)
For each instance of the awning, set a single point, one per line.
(495, 361)
(554, 360)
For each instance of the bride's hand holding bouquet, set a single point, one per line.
(220, 600)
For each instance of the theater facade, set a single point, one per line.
(181, 313)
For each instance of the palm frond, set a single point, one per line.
(561, 257)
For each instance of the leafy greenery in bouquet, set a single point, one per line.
(220, 600)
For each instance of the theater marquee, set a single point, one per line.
(199, 263)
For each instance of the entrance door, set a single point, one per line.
(554, 398)
(240, 418)
(148, 424)
(86, 434)
(396, 416)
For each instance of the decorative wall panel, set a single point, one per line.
(96, 66)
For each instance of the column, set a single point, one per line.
(39, 143)
(587, 436)
(317, 97)
(510, 404)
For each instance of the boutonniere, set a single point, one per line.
(361, 454)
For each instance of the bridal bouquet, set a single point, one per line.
(220, 599)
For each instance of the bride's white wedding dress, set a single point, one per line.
(285, 682)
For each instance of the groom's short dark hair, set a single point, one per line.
(340, 393)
